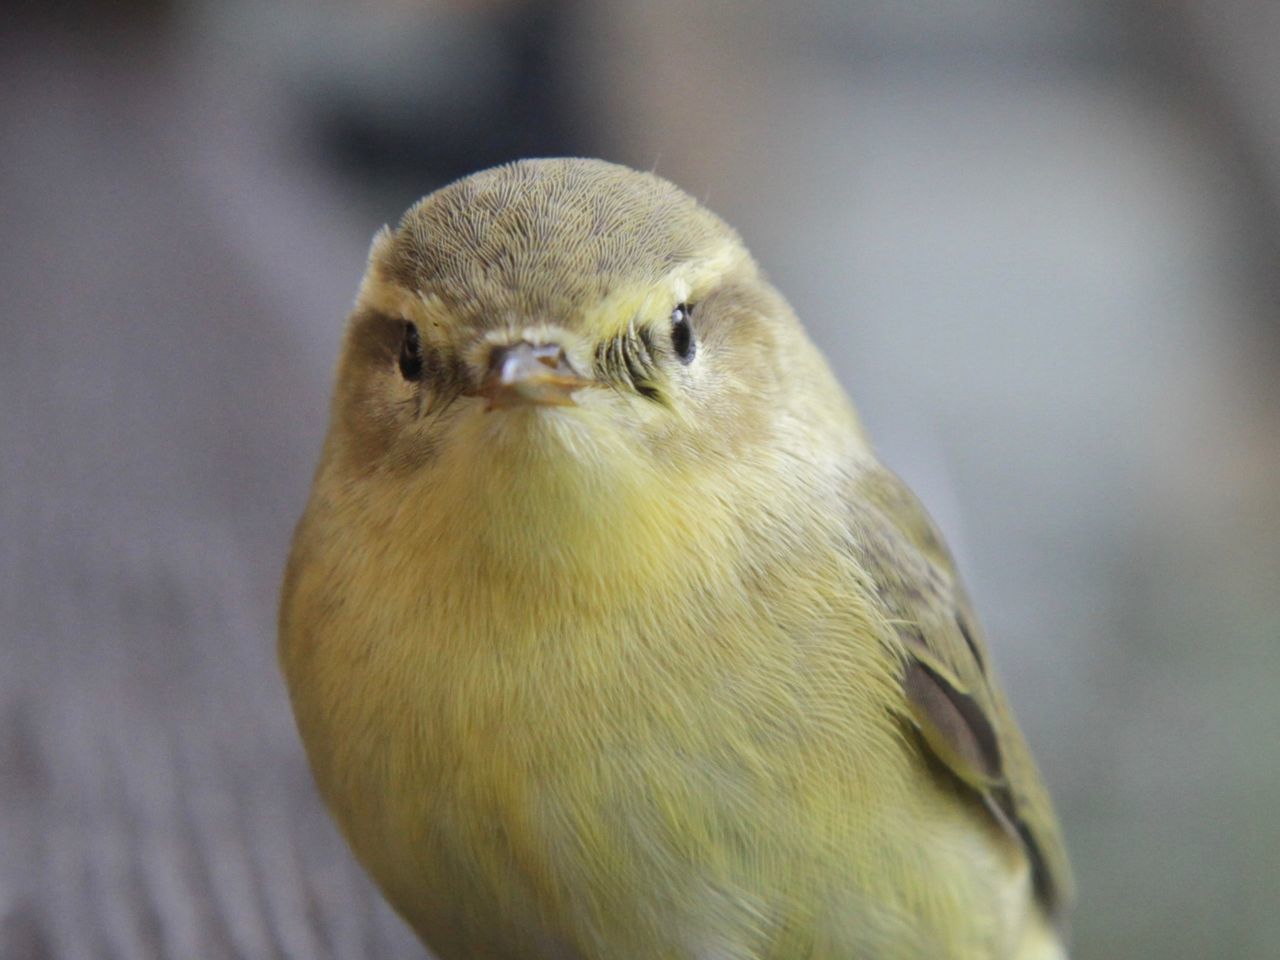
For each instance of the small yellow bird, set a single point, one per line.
(607, 635)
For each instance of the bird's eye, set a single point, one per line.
(411, 353)
(682, 333)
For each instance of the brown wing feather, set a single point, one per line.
(953, 698)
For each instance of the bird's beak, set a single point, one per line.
(530, 374)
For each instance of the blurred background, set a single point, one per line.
(1038, 239)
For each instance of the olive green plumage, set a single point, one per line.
(607, 635)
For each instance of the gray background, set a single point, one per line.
(1037, 239)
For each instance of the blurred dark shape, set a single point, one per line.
(1219, 62)
(506, 92)
(86, 17)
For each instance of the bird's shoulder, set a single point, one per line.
(952, 695)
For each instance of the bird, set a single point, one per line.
(606, 633)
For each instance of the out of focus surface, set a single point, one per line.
(1038, 241)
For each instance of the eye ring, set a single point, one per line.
(410, 359)
(682, 340)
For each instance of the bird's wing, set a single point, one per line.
(952, 695)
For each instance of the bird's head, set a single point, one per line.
(576, 322)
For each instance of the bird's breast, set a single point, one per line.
(495, 734)
(695, 746)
